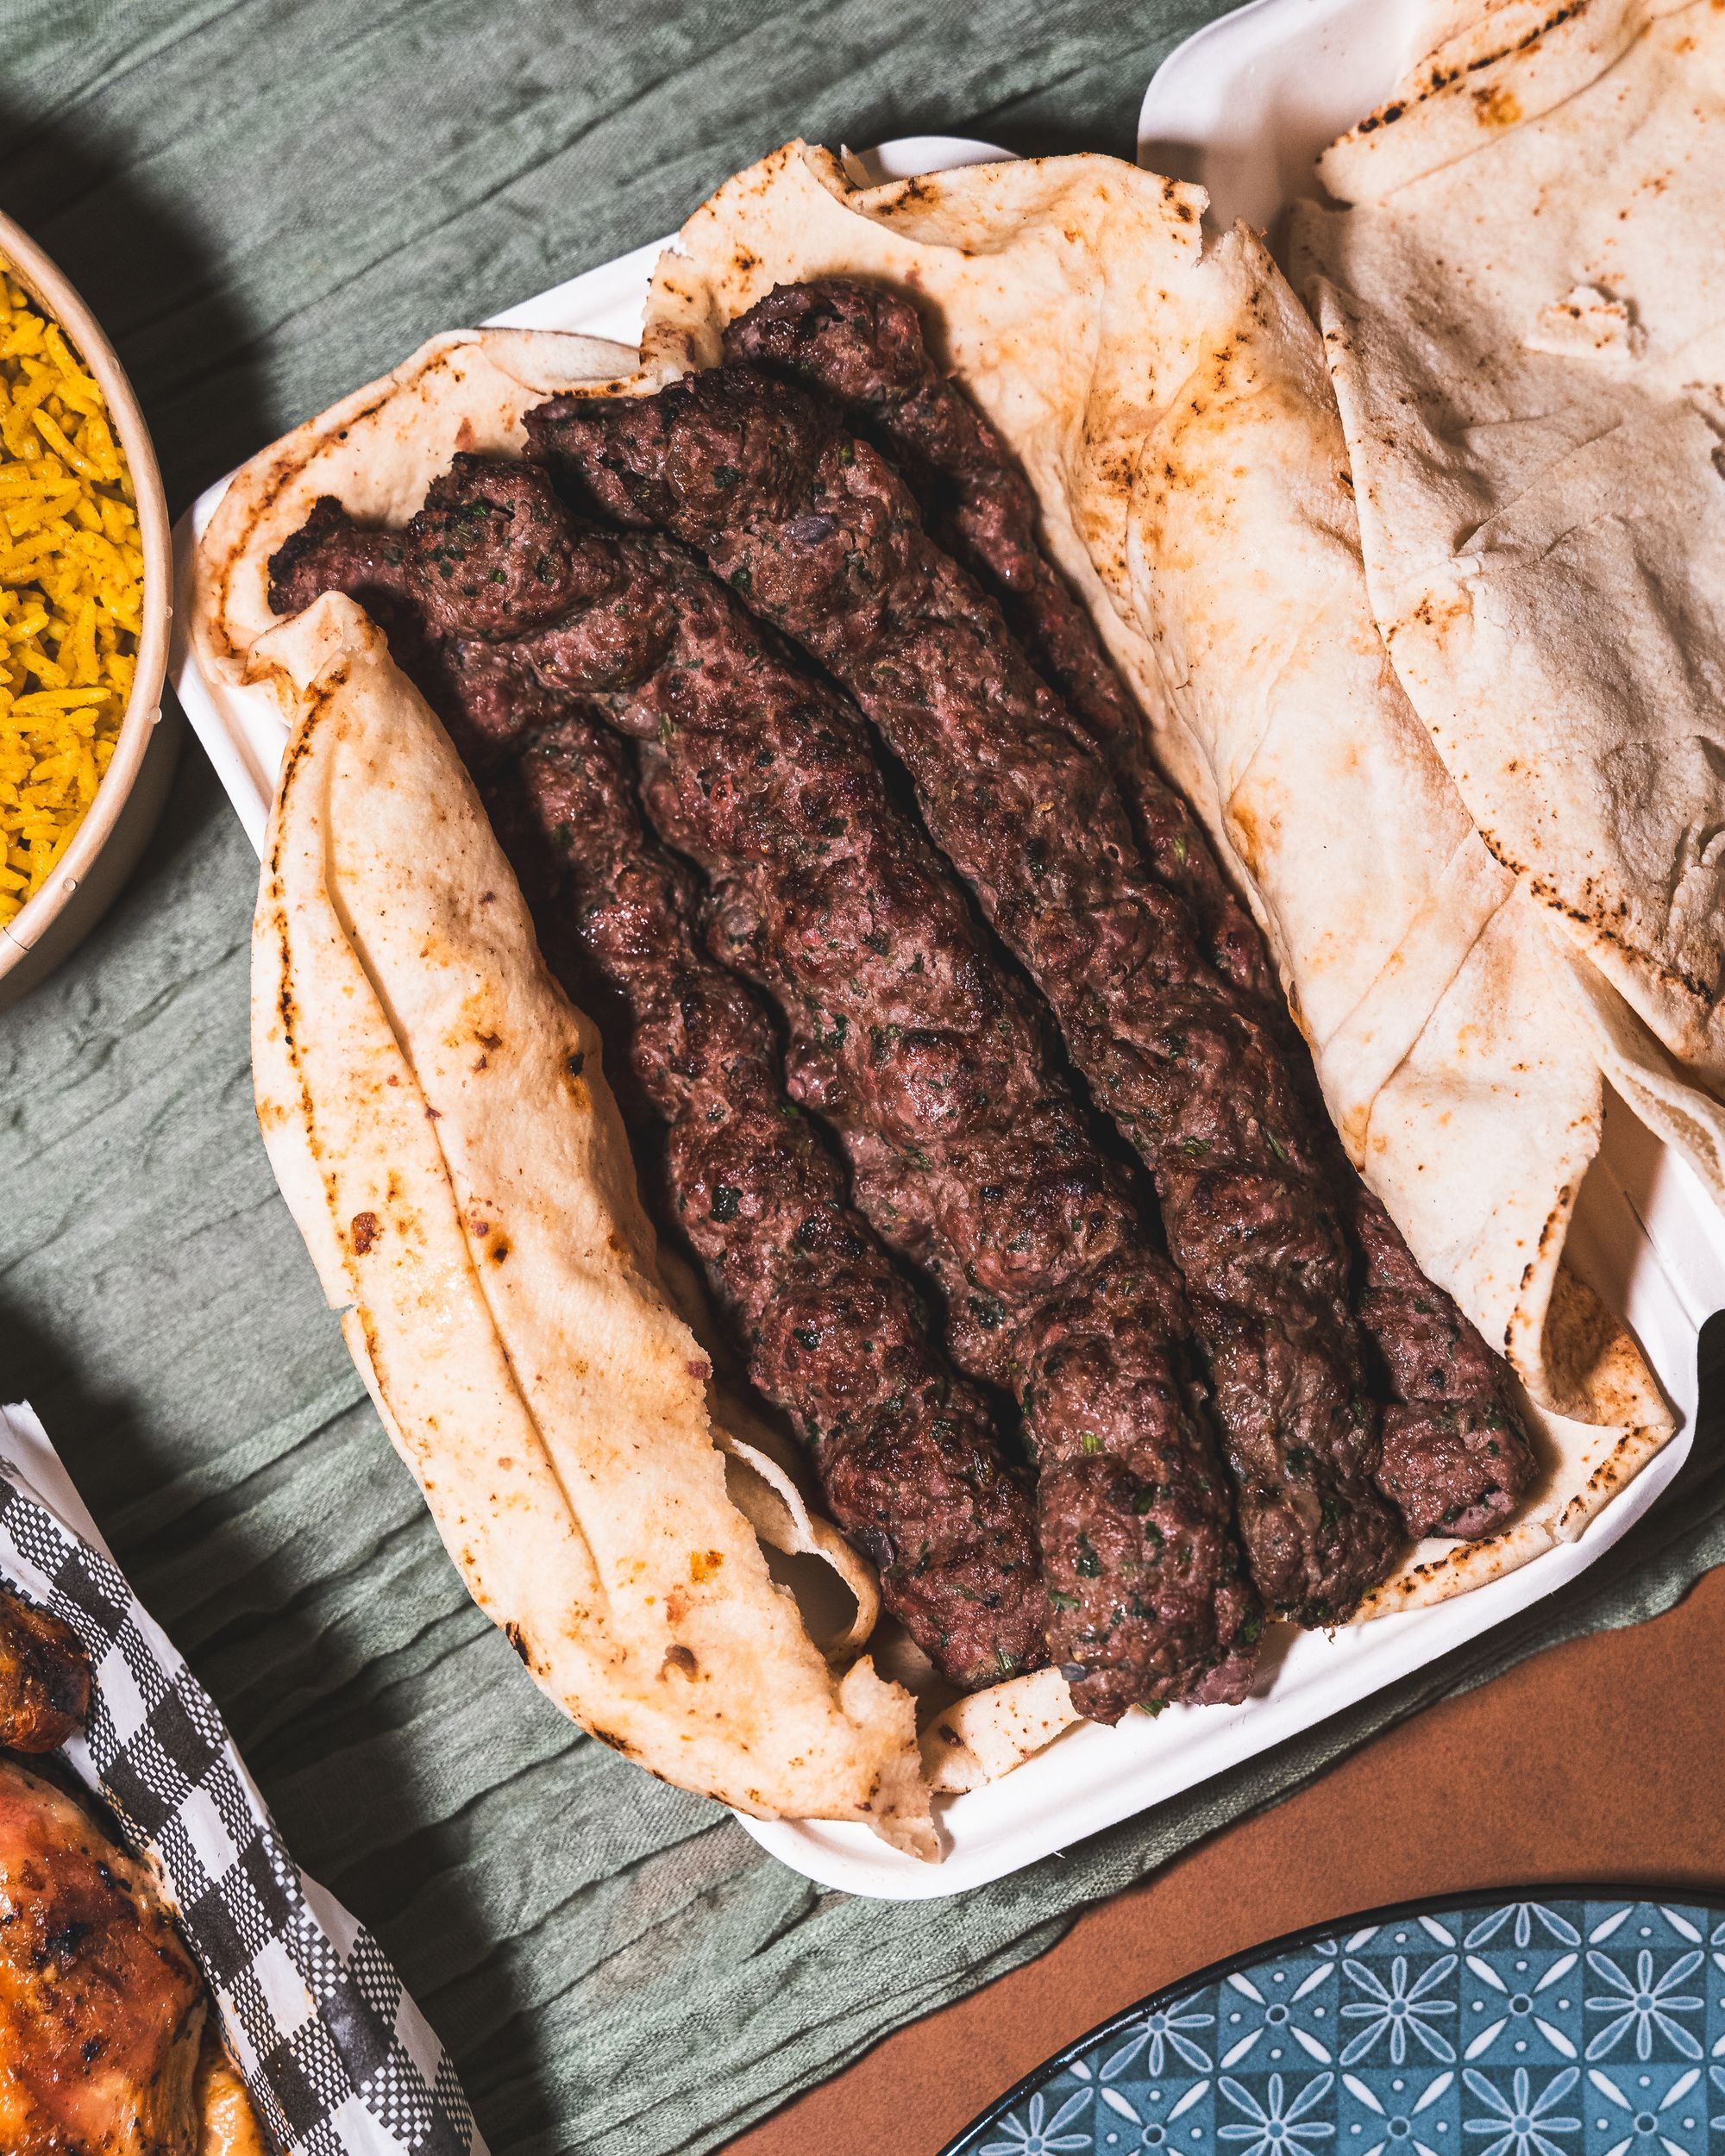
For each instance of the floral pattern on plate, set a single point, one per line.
(1555, 2028)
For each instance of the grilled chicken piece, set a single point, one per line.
(44, 1677)
(101, 2006)
(228, 2126)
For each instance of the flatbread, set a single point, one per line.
(376, 452)
(1171, 406)
(983, 1735)
(436, 1118)
(1524, 310)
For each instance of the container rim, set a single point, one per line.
(55, 293)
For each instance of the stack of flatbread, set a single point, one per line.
(1523, 306)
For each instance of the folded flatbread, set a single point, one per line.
(1171, 405)
(436, 1116)
(1523, 305)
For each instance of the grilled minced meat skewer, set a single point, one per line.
(821, 538)
(863, 346)
(970, 1152)
(1455, 1458)
(834, 1334)
(906, 1450)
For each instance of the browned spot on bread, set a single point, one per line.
(1440, 77)
(703, 1563)
(1498, 108)
(365, 1229)
(683, 1661)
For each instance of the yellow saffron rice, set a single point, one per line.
(71, 589)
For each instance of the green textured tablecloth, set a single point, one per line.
(268, 203)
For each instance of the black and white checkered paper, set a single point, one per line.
(338, 2058)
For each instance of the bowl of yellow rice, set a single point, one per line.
(85, 585)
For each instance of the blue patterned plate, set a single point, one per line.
(1585, 2024)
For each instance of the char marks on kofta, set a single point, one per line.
(1455, 1458)
(1339, 1374)
(834, 1334)
(903, 1029)
(862, 345)
(906, 1450)
(821, 538)
(970, 1154)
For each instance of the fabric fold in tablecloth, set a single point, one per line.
(266, 204)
